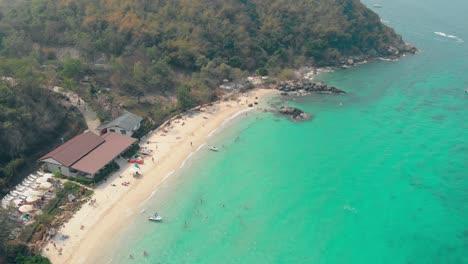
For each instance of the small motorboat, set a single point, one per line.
(213, 148)
(377, 5)
(155, 217)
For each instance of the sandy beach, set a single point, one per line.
(117, 204)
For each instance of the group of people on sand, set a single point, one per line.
(92, 201)
(126, 183)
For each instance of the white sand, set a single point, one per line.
(92, 225)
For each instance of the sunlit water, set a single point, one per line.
(378, 176)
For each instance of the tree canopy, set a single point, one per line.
(246, 34)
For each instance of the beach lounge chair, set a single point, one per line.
(20, 188)
(19, 194)
(40, 173)
(27, 182)
(7, 201)
(32, 176)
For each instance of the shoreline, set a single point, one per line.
(173, 143)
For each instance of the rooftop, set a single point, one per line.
(114, 144)
(74, 149)
(127, 121)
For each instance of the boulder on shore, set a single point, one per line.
(294, 113)
(305, 86)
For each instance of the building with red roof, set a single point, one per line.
(86, 154)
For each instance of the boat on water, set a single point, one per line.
(213, 148)
(155, 217)
(377, 5)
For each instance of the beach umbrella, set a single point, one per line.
(48, 175)
(32, 199)
(17, 202)
(37, 192)
(26, 208)
(134, 169)
(136, 165)
(41, 180)
(45, 185)
(28, 192)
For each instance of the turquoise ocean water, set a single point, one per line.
(380, 175)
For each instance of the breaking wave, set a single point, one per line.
(445, 35)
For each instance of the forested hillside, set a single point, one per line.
(246, 34)
(143, 55)
(31, 118)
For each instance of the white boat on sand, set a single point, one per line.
(213, 148)
(155, 217)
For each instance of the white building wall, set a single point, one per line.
(57, 168)
(119, 130)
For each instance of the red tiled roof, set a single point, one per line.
(74, 149)
(114, 144)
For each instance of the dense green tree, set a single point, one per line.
(36, 259)
(185, 98)
(72, 68)
(160, 76)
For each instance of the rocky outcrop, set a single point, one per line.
(303, 87)
(391, 53)
(294, 113)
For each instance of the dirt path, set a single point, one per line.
(92, 121)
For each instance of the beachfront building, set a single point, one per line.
(86, 154)
(125, 124)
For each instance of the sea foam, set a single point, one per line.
(445, 35)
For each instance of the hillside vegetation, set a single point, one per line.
(144, 55)
(31, 118)
(245, 34)
(148, 41)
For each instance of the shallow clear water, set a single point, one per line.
(378, 176)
